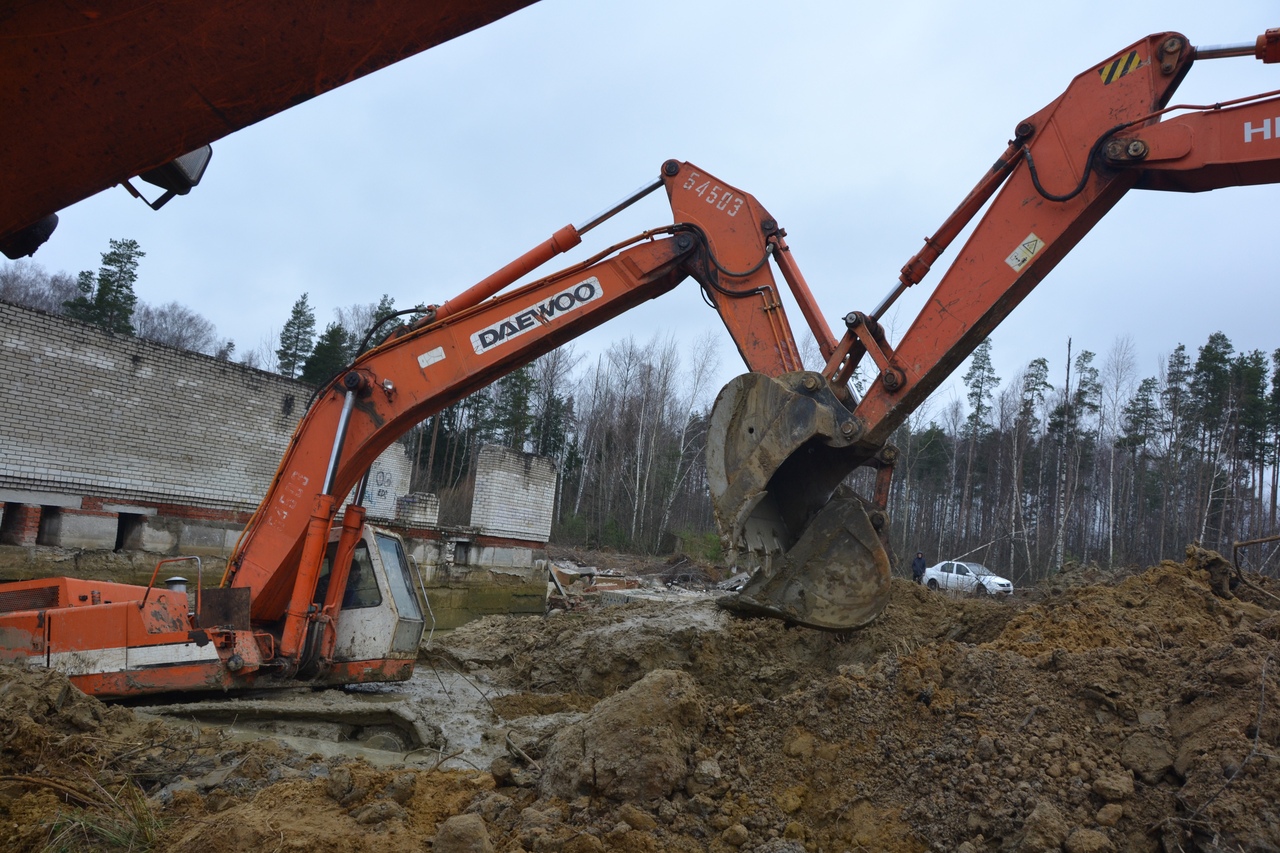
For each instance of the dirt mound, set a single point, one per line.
(1140, 713)
(77, 774)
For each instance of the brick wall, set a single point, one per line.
(88, 412)
(110, 418)
(514, 495)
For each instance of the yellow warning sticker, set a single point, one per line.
(1026, 250)
(1117, 68)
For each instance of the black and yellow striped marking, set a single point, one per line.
(1117, 68)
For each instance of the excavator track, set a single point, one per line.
(778, 450)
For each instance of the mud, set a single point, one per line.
(1094, 714)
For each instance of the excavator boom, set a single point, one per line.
(1066, 167)
(721, 237)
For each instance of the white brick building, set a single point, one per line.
(111, 442)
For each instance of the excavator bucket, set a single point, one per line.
(777, 453)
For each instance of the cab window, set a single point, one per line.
(362, 582)
(396, 563)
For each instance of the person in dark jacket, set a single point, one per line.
(917, 567)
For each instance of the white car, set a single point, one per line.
(966, 577)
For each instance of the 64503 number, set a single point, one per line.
(722, 197)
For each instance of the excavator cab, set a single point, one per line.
(381, 617)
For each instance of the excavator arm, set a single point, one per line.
(1065, 168)
(722, 237)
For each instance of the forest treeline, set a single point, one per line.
(1077, 458)
(106, 298)
(1094, 463)
(1090, 462)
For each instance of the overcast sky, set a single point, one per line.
(859, 126)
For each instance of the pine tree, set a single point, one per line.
(107, 299)
(1035, 385)
(384, 309)
(1211, 384)
(981, 380)
(330, 356)
(1140, 417)
(512, 418)
(297, 338)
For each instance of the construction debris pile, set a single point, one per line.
(1139, 713)
(578, 584)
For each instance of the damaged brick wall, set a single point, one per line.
(514, 494)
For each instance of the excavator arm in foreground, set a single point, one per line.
(97, 93)
(1066, 167)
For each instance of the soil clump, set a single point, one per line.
(1119, 713)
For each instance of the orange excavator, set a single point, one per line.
(782, 439)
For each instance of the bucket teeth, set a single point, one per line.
(777, 451)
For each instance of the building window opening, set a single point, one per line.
(129, 531)
(462, 553)
(10, 529)
(50, 530)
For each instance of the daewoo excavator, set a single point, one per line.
(782, 439)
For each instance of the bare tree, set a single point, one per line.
(690, 440)
(177, 326)
(359, 320)
(953, 423)
(1117, 387)
(27, 283)
(263, 356)
(551, 375)
(592, 396)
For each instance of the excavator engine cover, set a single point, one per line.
(777, 453)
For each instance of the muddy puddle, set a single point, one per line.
(439, 718)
